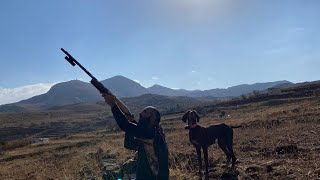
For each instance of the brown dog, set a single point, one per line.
(202, 137)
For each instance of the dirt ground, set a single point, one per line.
(279, 139)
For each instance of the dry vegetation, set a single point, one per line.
(279, 139)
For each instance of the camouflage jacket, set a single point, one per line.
(139, 138)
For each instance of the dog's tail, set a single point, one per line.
(233, 127)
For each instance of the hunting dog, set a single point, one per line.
(202, 137)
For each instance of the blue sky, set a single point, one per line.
(191, 44)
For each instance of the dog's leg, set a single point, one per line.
(234, 159)
(223, 147)
(206, 161)
(198, 148)
(229, 144)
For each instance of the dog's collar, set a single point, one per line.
(193, 126)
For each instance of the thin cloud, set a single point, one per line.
(12, 95)
(196, 82)
(277, 50)
(155, 78)
(137, 81)
(296, 29)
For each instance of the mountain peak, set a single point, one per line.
(157, 86)
(124, 87)
(119, 77)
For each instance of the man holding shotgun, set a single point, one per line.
(145, 136)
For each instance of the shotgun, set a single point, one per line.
(98, 84)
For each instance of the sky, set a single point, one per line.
(190, 44)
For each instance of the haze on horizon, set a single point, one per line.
(186, 44)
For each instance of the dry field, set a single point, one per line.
(279, 139)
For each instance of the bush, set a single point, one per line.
(9, 145)
(316, 92)
(2, 144)
(243, 97)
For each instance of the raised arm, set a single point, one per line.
(122, 121)
(130, 127)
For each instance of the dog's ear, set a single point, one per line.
(185, 116)
(197, 115)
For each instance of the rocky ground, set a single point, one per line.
(278, 139)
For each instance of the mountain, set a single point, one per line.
(161, 90)
(248, 88)
(64, 93)
(165, 104)
(75, 91)
(13, 108)
(293, 85)
(124, 87)
(228, 92)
